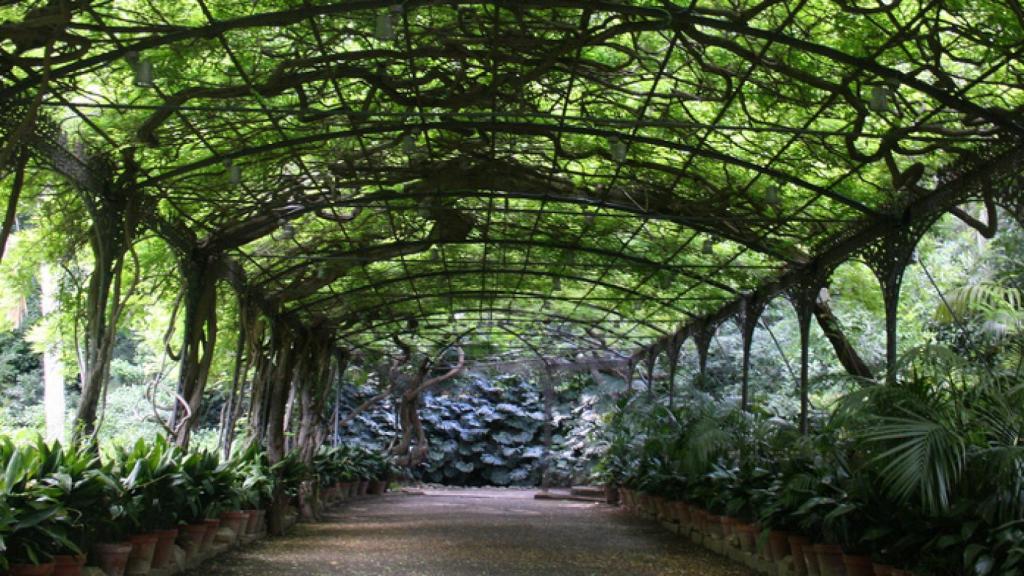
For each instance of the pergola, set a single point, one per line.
(632, 173)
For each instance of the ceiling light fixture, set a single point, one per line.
(617, 148)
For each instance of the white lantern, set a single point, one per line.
(879, 99)
(144, 74)
(409, 144)
(385, 28)
(617, 148)
(234, 174)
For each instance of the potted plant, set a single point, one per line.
(90, 493)
(150, 478)
(256, 492)
(36, 525)
(201, 502)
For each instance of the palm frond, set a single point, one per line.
(922, 459)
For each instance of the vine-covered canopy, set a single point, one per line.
(612, 170)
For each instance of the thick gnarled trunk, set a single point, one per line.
(201, 276)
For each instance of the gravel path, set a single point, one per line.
(474, 533)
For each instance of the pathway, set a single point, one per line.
(474, 533)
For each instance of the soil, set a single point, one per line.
(474, 532)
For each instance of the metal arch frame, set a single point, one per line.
(677, 18)
(750, 314)
(522, 314)
(717, 23)
(473, 271)
(499, 294)
(520, 129)
(802, 295)
(634, 260)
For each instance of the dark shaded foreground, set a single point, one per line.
(474, 533)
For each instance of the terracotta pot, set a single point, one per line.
(700, 519)
(611, 494)
(882, 569)
(253, 523)
(659, 506)
(641, 502)
(681, 512)
(191, 538)
(857, 565)
(811, 560)
(344, 489)
(796, 548)
(364, 485)
(830, 560)
(377, 487)
(67, 565)
(715, 525)
(112, 558)
(31, 569)
(212, 525)
(164, 551)
(261, 521)
(778, 545)
(747, 536)
(140, 559)
(728, 526)
(234, 520)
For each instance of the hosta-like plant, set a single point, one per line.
(37, 525)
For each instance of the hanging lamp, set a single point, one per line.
(879, 99)
(384, 29)
(144, 74)
(234, 173)
(617, 148)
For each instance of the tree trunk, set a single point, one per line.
(115, 222)
(845, 351)
(198, 342)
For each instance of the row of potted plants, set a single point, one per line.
(126, 510)
(793, 553)
(351, 470)
(924, 476)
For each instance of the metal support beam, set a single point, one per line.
(803, 295)
(703, 332)
(750, 313)
(888, 257)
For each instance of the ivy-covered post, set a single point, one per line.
(275, 375)
(115, 209)
(675, 346)
(703, 332)
(314, 377)
(650, 359)
(201, 273)
(888, 257)
(751, 309)
(802, 296)
(248, 320)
